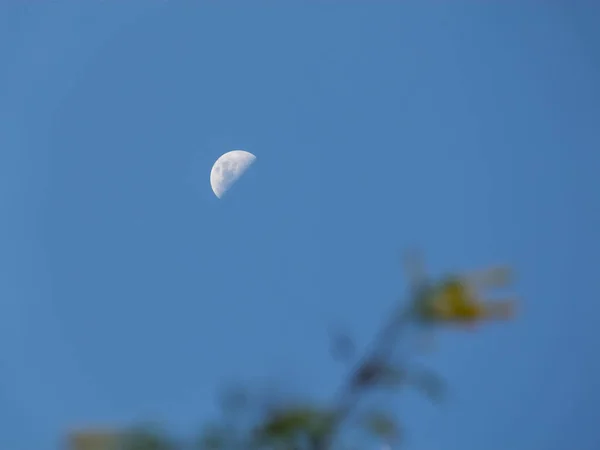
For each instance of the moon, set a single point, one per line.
(228, 169)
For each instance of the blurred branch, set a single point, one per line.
(455, 299)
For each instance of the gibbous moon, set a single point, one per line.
(228, 169)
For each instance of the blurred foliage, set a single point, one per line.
(452, 300)
(214, 437)
(148, 437)
(382, 424)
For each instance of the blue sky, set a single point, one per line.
(129, 291)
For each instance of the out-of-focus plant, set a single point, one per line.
(148, 437)
(458, 299)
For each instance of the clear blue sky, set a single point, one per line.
(128, 290)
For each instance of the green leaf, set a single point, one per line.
(290, 424)
(147, 437)
(382, 425)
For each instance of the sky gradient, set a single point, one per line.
(129, 291)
